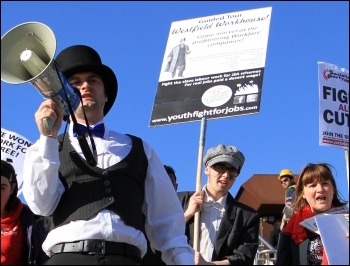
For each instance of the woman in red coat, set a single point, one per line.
(22, 232)
(316, 193)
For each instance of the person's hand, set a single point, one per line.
(199, 260)
(194, 204)
(49, 109)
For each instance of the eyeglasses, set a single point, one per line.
(221, 168)
(284, 180)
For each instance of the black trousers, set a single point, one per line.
(86, 259)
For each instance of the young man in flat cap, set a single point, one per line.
(100, 214)
(229, 230)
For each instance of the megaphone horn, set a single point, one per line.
(27, 55)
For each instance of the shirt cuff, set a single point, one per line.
(48, 148)
(184, 259)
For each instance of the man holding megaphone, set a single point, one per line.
(100, 214)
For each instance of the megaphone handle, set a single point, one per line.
(48, 123)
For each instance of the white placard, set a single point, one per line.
(13, 150)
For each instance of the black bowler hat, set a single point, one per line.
(82, 58)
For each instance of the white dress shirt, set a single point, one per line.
(210, 220)
(165, 223)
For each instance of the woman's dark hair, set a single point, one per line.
(8, 171)
(315, 173)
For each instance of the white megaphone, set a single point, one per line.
(27, 55)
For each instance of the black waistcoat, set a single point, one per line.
(119, 188)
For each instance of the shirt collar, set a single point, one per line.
(209, 199)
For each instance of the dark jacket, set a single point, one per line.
(152, 257)
(172, 59)
(35, 230)
(290, 253)
(238, 235)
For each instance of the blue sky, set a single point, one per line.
(131, 38)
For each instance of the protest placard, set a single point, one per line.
(334, 105)
(213, 67)
(13, 149)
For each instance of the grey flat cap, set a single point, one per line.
(222, 153)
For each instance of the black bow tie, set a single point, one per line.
(98, 130)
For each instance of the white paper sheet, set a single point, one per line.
(333, 231)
